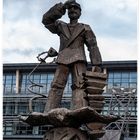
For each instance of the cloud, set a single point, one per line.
(116, 18)
(23, 52)
(113, 21)
(118, 49)
(26, 38)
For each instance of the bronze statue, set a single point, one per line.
(83, 121)
(71, 56)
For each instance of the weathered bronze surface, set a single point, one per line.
(87, 86)
(71, 56)
(61, 117)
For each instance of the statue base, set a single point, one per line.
(80, 124)
(65, 133)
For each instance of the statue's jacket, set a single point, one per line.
(71, 44)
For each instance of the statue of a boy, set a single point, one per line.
(71, 56)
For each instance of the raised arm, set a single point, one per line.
(50, 18)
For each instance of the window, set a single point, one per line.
(7, 129)
(9, 83)
(43, 79)
(126, 79)
(24, 129)
(9, 108)
(117, 75)
(49, 80)
(125, 75)
(23, 108)
(24, 83)
(68, 90)
(35, 130)
(43, 129)
(110, 75)
(65, 104)
(39, 105)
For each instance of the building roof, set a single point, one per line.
(130, 64)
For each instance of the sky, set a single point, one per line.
(114, 23)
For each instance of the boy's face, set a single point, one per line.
(74, 12)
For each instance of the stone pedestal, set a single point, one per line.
(65, 133)
(66, 123)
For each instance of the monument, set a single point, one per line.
(83, 120)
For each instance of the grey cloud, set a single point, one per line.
(27, 15)
(25, 9)
(112, 22)
(25, 52)
(99, 16)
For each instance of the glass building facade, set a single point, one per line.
(16, 95)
